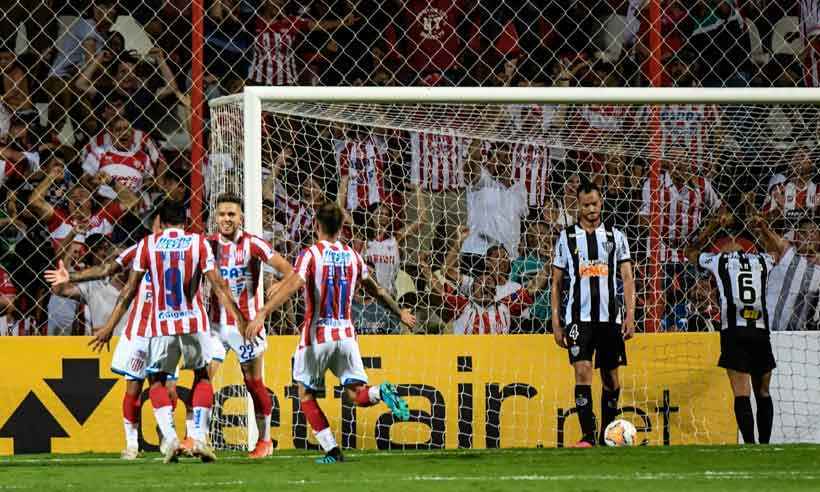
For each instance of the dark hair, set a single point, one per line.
(230, 198)
(588, 186)
(493, 249)
(330, 218)
(172, 213)
(94, 241)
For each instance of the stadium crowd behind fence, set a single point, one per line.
(104, 116)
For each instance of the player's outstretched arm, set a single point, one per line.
(380, 294)
(223, 293)
(287, 287)
(103, 335)
(61, 275)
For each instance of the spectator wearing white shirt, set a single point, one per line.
(83, 39)
(496, 203)
(100, 296)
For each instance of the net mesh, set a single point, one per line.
(434, 191)
(92, 90)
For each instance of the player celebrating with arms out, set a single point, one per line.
(177, 261)
(239, 256)
(591, 253)
(329, 271)
(745, 346)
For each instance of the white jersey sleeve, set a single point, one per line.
(708, 261)
(561, 259)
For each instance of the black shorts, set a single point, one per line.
(748, 353)
(604, 339)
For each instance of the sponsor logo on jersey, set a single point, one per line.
(174, 244)
(593, 269)
(233, 272)
(171, 315)
(337, 258)
(750, 314)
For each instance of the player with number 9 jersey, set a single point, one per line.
(175, 261)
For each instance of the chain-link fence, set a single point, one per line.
(102, 114)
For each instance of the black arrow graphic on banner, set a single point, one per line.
(32, 426)
(81, 389)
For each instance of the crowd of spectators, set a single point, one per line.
(94, 136)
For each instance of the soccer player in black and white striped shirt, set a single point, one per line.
(591, 255)
(745, 346)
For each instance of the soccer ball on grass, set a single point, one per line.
(620, 433)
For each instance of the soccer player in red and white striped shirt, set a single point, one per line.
(8, 293)
(130, 354)
(689, 127)
(176, 262)
(274, 57)
(239, 258)
(329, 271)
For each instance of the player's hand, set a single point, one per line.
(408, 319)
(58, 276)
(254, 328)
(102, 338)
(560, 336)
(628, 328)
(726, 219)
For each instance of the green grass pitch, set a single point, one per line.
(685, 468)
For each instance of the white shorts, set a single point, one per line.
(341, 357)
(164, 353)
(130, 357)
(216, 347)
(245, 352)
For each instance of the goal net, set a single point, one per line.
(456, 203)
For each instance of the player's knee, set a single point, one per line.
(583, 372)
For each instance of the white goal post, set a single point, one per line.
(259, 115)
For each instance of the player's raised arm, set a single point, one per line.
(286, 288)
(103, 335)
(380, 294)
(694, 248)
(773, 242)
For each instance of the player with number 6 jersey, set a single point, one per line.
(329, 272)
(176, 261)
(239, 257)
(745, 347)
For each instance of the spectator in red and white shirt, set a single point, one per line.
(274, 57)
(60, 222)
(8, 294)
(684, 200)
(127, 155)
(796, 197)
(361, 161)
(810, 35)
(482, 311)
